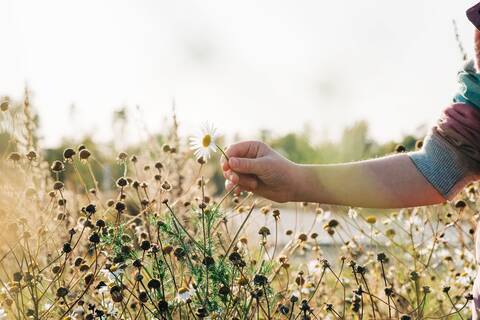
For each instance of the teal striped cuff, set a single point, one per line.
(440, 164)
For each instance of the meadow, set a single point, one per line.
(90, 232)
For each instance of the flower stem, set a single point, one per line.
(223, 152)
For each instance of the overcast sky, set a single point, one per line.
(243, 65)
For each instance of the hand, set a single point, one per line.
(256, 167)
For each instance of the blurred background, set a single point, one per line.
(253, 68)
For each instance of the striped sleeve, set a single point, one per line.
(450, 157)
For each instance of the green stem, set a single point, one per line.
(223, 152)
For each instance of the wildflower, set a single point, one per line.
(371, 219)
(103, 289)
(352, 214)
(390, 233)
(113, 274)
(204, 144)
(314, 267)
(463, 280)
(184, 294)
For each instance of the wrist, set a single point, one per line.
(305, 184)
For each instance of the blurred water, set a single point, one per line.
(423, 226)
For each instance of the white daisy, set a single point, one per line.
(204, 143)
(185, 294)
(112, 276)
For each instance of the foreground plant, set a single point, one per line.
(162, 243)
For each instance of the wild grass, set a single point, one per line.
(162, 244)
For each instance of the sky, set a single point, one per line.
(242, 65)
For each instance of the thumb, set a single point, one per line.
(246, 165)
(477, 49)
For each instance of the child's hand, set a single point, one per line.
(254, 166)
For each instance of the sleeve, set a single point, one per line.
(450, 156)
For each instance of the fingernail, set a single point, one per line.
(232, 177)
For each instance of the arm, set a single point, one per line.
(390, 182)
(387, 182)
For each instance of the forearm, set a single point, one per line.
(389, 182)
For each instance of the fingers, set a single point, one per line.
(246, 165)
(245, 182)
(244, 149)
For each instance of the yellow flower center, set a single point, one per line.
(207, 139)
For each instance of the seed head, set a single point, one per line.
(122, 156)
(303, 237)
(122, 182)
(116, 293)
(145, 245)
(31, 155)
(84, 154)
(166, 186)
(5, 104)
(120, 206)
(94, 238)
(154, 284)
(400, 148)
(14, 156)
(68, 154)
(57, 166)
(260, 280)
(58, 185)
(264, 231)
(419, 144)
(62, 292)
(460, 204)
